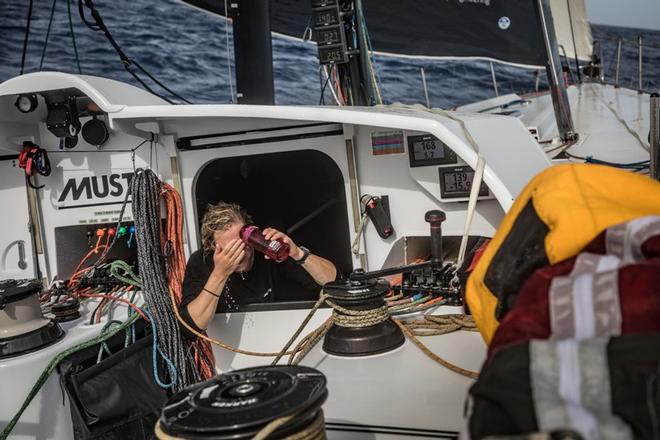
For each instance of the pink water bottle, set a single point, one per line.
(273, 249)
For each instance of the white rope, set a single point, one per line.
(355, 246)
(472, 206)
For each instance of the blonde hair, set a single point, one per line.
(220, 217)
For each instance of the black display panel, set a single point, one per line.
(325, 17)
(428, 150)
(332, 54)
(456, 182)
(330, 35)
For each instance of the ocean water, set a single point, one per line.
(190, 51)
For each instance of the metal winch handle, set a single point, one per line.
(434, 219)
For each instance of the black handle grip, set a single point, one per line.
(435, 219)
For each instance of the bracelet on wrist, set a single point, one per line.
(212, 293)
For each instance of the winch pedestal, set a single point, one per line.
(22, 326)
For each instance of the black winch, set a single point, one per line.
(361, 324)
(22, 326)
(356, 297)
(238, 404)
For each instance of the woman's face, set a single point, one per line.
(223, 238)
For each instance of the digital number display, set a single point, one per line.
(457, 182)
(425, 149)
(428, 150)
(326, 17)
(330, 35)
(334, 54)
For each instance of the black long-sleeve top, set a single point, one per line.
(266, 281)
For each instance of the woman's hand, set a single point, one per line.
(227, 259)
(273, 234)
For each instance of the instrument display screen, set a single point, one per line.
(329, 35)
(456, 182)
(425, 149)
(428, 150)
(332, 54)
(326, 17)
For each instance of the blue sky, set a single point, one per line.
(629, 13)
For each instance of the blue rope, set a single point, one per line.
(104, 346)
(638, 166)
(130, 333)
(157, 351)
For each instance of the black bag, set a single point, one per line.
(116, 398)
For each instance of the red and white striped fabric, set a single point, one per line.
(611, 288)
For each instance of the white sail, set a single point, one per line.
(565, 13)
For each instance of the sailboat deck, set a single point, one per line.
(610, 122)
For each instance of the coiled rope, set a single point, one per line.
(344, 317)
(314, 431)
(176, 265)
(146, 190)
(432, 325)
(438, 325)
(429, 326)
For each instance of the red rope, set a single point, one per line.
(172, 239)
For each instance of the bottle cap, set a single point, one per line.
(246, 231)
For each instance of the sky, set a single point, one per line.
(628, 13)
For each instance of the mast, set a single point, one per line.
(555, 75)
(253, 51)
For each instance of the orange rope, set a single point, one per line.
(114, 298)
(172, 239)
(78, 271)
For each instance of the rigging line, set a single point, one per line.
(27, 35)
(160, 84)
(145, 86)
(371, 60)
(325, 84)
(126, 61)
(332, 89)
(89, 24)
(50, 22)
(570, 20)
(229, 75)
(73, 35)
